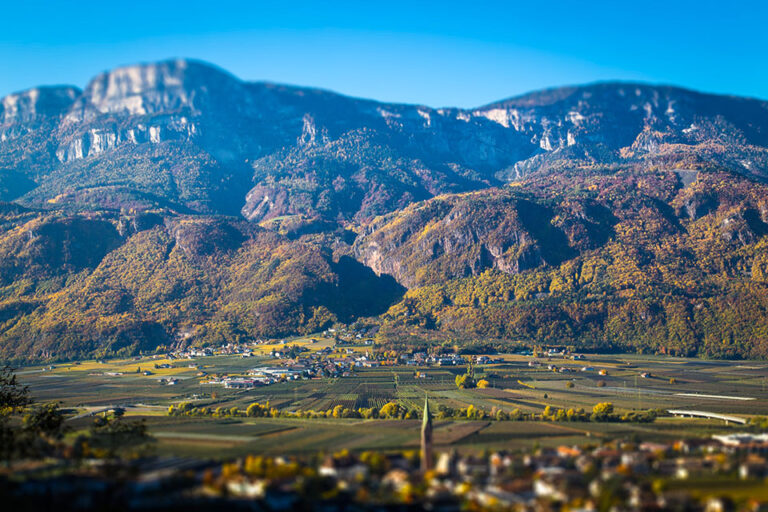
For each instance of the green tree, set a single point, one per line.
(13, 395)
(46, 421)
(42, 429)
(112, 436)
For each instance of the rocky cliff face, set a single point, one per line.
(624, 122)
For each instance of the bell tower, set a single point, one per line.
(426, 438)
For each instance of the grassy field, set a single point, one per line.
(716, 386)
(226, 438)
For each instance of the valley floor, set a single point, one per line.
(515, 382)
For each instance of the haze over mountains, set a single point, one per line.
(173, 203)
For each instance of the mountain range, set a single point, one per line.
(172, 203)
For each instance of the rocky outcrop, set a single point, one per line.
(743, 226)
(463, 235)
(622, 115)
(35, 105)
(699, 204)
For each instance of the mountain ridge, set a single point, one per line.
(561, 89)
(202, 110)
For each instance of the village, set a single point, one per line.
(349, 350)
(515, 431)
(714, 474)
(295, 361)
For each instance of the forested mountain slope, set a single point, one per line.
(637, 261)
(174, 203)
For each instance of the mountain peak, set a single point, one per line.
(168, 72)
(152, 87)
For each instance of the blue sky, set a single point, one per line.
(435, 53)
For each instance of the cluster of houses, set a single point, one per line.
(451, 359)
(343, 336)
(690, 474)
(259, 377)
(558, 352)
(567, 477)
(311, 366)
(351, 335)
(241, 349)
(424, 359)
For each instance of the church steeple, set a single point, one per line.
(426, 438)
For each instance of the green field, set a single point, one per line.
(90, 386)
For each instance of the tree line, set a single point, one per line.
(601, 412)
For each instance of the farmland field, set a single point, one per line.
(737, 388)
